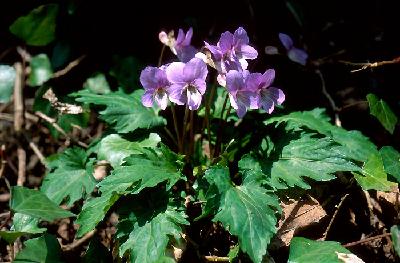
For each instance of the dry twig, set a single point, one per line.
(364, 66)
(351, 244)
(79, 242)
(70, 66)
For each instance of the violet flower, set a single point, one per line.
(184, 50)
(267, 96)
(155, 82)
(241, 96)
(232, 50)
(295, 54)
(188, 82)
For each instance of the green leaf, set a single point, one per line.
(94, 211)
(36, 204)
(97, 84)
(217, 105)
(97, 252)
(381, 110)
(114, 148)
(395, 231)
(373, 175)
(145, 230)
(38, 27)
(303, 250)
(7, 78)
(125, 112)
(41, 70)
(144, 170)
(22, 225)
(67, 121)
(391, 161)
(305, 157)
(127, 71)
(44, 249)
(233, 253)
(246, 211)
(72, 178)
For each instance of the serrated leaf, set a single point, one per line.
(246, 211)
(124, 111)
(7, 79)
(97, 84)
(94, 211)
(22, 225)
(381, 110)
(38, 27)
(373, 175)
(145, 231)
(41, 70)
(391, 161)
(44, 249)
(395, 231)
(72, 177)
(142, 171)
(305, 157)
(114, 148)
(97, 252)
(36, 204)
(303, 250)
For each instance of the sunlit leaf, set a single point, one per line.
(44, 249)
(381, 110)
(391, 161)
(7, 78)
(41, 70)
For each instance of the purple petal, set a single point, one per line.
(175, 72)
(221, 78)
(200, 85)
(161, 99)
(267, 78)
(195, 69)
(253, 81)
(176, 94)
(234, 81)
(267, 103)
(186, 53)
(233, 101)
(287, 42)
(241, 110)
(147, 99)
(226, 41)
(240, 37)
(180, 38)
(214, 50)
(248, 52)
(243, 64)
(147, 78)
(298, 55)
(188, 37)
(193, 99)
(277, 95)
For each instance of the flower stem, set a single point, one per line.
(176, 128)
(191, 142)
(219, 136)
(185, 119)
(161, 56)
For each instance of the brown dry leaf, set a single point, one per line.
(349, 258)
(62, 107)
(298, 214)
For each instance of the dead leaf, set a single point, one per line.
(64, 108)
(349, 258)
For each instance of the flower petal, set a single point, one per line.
(188, 37)
(193, 99)
(214, 50)
(180, 38)
(247, 52)
(175, 72)
(241, 110)
(221, 78)
(267, 78)
(233, 101)
(147, 99)
(200, 85)
(234, 81)
(176, 94)
(277, 95)
(163, 37)
(267, 103)
(225, 42)
(147, 78)
(195, 69)
(287, 42)
(240, 37)
(186, 53)
(298, 55)
(161, 99)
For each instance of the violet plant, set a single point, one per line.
(217, 169)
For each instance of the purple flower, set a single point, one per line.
(295, 54)
(267, 96)
(184, 50)
(155, 82)
(241, 96)
(188, 82)
(232, 50)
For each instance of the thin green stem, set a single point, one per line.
(176, 128)
(207, 119)
(191, 128)
(185, 119)
(219, 135)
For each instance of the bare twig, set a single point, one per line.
(38, 153)
(334, 216)
(79, 242)
(364, 66)
(329, 97)
(351, 244)
(21, 166)
(216, 259)
(70, 66)
(18, 98)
